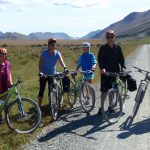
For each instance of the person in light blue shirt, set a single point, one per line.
(87, 61)
(47, 65)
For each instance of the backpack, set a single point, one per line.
(66, 83)
(131, 83)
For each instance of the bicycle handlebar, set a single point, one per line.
(57, 75)
(140, 70)
(19, 81)
(115, 74)
(74, 72)
(86, 71)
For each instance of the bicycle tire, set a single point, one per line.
(54, 102)
(23, 124)
(72, 94)
(87, 101)
(138, 99)
(118, 107)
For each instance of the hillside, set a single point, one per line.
(13, 36)
(91, 34)
(136, 24)
(46, 35)
(33, 36)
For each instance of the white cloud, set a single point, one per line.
(81, 3)
(25, 5)
(2, 8)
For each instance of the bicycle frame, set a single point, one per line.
(85, 92)
(141, 91)
(82, 81)
(9, 94)
(54, 89)
(145, 81)
(12, 91)
(118, 84)
(121, 87)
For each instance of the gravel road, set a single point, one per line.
(76, 130)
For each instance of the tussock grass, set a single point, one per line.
(24, 56)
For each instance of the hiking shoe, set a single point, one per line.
(99, 113)
(111, 110)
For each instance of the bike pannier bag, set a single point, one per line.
(66, 84)
(131, 83)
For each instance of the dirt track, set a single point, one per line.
(77, 131)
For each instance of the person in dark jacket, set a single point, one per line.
(110, 59)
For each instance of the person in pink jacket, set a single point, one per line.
(5, 74)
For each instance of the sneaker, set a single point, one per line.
(111, 110)
(99, 112)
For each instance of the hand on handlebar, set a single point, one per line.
(103, 71)
(40, 74)
(93, 69)
(66, 71)
(123, 69)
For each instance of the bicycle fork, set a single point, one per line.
(20, 106)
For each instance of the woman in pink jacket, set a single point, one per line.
(5, 74)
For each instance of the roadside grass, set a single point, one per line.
(24, 56)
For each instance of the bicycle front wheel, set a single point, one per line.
(112, 106)
(24, 116)
(138, 99)
(54, 102)
(72, 95)
(87, 97)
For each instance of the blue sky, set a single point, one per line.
(74, 17)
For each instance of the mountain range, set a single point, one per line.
(136, 24)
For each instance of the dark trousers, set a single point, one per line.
(43, 82)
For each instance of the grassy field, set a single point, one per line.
(24, 56)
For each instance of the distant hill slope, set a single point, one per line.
(135, 24)
(46, 35)
(33, 36)
(13, 36)
(91, 34)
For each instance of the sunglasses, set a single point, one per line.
(52, 44)
(2, 54)
(109, 37)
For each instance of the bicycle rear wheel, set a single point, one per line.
(23, 117)
(138, 99)
(54, 102)
(87, 97)
(116, 104)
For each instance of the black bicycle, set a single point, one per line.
(56, 93)
(115, 97)
(141, 90)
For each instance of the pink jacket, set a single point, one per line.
(4, 76)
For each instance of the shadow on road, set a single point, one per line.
(75, 123)
(138, 128)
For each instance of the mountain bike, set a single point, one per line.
(115, 98)
(141, 90)
(56, 93)
(22, 115)
(84, 91)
